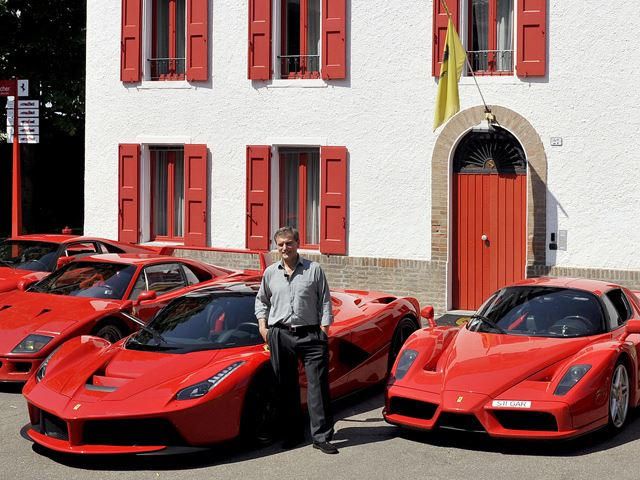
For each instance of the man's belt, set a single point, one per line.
(295, 328)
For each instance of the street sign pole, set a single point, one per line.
(16, 210)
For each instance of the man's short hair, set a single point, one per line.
(286, 232)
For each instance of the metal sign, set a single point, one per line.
(23, 88)
(28, 121)
(24, 130)
(25, 139)
(24, 104)
(23, 121)
(8, 88)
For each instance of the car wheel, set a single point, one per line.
(619, 397)
(109, 331)
(260, 414)
(403, 330)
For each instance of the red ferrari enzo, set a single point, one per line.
(33, 257)
(92, 295)
(199, 373)
(543, 358)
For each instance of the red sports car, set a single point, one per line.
(92, 295)
(33, 257)
(199, 373)
(541, 359)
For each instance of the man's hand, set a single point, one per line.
(262, 327)
(325, 329)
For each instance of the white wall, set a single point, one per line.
(383, 114)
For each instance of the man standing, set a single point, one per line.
(293, 307)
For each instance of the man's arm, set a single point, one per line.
(324, 302)
(262, 307)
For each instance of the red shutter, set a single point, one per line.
(333, 200)
(440, 21)
(334, 52)
(259, 39)
(197, 40)
(258, 187)
(195, 195)
(130, 43)
(129, 193)
(532, 38)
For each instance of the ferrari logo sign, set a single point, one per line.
(77, 406)
(459, 399)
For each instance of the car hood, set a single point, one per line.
(489, 363)
(117, 374)
(22, 313)
(9, 277)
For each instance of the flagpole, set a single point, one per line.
(486, 107)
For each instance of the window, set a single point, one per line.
(167, 193)
(500, 36)
(310, 39)
(176, 45)
(175, 189)
(167, 60)
(313, 196)
(300, 44)
(490, 41)
(617, 307)
(159, 278)
(300, 187)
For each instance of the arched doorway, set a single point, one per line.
(489, 215)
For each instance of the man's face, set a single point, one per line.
(287, 247)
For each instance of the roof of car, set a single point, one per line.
(593, 286)
(127, 258)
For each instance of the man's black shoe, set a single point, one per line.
(326, 447)
(292, 442)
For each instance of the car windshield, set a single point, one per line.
(202, 321)
(540, 312)
(28, 255)
(88, 279)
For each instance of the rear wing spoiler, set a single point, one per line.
(230, 258)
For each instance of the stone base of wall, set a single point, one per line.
(424, 280)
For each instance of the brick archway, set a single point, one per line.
(536, 182)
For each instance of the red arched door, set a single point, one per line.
(489, 204)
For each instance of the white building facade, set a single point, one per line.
(214, 122)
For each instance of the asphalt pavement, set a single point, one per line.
(369, 449)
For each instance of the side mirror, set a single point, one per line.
(633, 326)
(25, 283)
(62, 261)
(145, 296)
(428, 313)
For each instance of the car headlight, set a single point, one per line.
(42, 369)
(407, 358)
(202, 388)
(570, 378)
(32, 344)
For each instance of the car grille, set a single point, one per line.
(53, 426)
(516, 420)
(459, 421)
(148, 431)
(412, 408)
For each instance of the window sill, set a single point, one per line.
(298, 83)
(158, 243)
(491, 80)
(165, 85)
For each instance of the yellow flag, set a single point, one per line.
(448, 101)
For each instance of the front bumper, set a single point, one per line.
(475, 412)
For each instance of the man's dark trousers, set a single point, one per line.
(310, 345)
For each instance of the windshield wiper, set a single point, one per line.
(154, 333)
(489, 322)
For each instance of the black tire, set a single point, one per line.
(260, 414)
(404, 329)
(109, 331)
(619, 397)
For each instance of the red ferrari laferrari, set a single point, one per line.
(92, 295)
(541, 359)
(33, 257)
(199, 373)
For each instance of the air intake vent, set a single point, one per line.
(536, 421)
(459, 421)
(412, 408)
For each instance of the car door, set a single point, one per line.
(166, 279)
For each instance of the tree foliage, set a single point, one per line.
(43, 41)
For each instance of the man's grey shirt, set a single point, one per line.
(301, 298)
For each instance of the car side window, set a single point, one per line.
(165, 277)
(106, 248)
(617, 307)
(81, 249)
(192, 279)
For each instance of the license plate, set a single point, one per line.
(511, 404)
